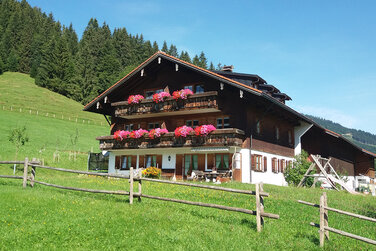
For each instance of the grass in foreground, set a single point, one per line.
(48, 218)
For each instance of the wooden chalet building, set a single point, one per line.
(257, 135)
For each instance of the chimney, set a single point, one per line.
(228, 68)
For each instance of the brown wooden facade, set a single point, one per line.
(245, 117)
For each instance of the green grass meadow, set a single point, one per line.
(46, 218)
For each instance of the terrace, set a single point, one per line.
(219, 137)
(197, 103)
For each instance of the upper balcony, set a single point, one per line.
(196, 103)
(219, 137)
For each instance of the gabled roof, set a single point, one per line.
(223, 79)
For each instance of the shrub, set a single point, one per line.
(294, 173)
(151, 172)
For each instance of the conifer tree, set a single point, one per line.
(164, 47)
(196, 60)
(203, 62)
(211, 67)
(185, 57)
(155, 47)
(173, 51)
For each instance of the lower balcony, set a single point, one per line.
(219, 137)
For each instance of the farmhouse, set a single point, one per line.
(257, 135)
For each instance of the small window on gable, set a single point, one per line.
(289, 135)
(190, 87)
(199, 88)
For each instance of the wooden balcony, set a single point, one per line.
(219, 137)
(197, 103)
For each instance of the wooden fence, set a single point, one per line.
(324, 223)
(259, 193)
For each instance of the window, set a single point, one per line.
(190, 87)
(192, 123)
(275, 165)
(149, 94)
(151, 160)
(277, 133)
(199, 88)
(222, 161)
(223, 123)
(289, 135)
(257, 163)
(190, 164)
(153, 126)
(128, 127)
(123, 162)
(282, 165)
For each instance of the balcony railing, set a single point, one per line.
(196, 103)
(219, 137)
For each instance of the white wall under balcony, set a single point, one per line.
(299, 131)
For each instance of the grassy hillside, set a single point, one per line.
(361, 138)
(47, 134)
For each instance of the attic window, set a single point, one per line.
(277, 133)
(149, 94)
(199, 88)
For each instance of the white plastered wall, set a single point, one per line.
(299, 131)
(269, 177)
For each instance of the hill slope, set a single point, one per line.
(50, 119)
(361, 138)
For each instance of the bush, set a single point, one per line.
(151, 172)
(294, 174)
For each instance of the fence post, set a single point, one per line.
(131, 185)
(322, 220)
(259, 207)
(26, 163)
(326, 216)
(139, 189)
(33, 173)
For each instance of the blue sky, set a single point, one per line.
(321, 53)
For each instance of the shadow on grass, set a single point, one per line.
(311, 237)
(224, 220)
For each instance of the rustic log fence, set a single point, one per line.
(259, 193)
(324, 223)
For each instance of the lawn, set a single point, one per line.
(49, 218)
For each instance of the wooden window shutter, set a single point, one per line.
(159, 161)
(201, 162)
(134, 161)
(253, 162)
(117, 162)
(179, 164)
(265, 164)
(211, 160)
(141, 163)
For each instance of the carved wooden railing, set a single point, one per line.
(195, 101)
(219, 137)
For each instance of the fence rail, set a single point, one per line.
(324, 226)
(259, 193)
